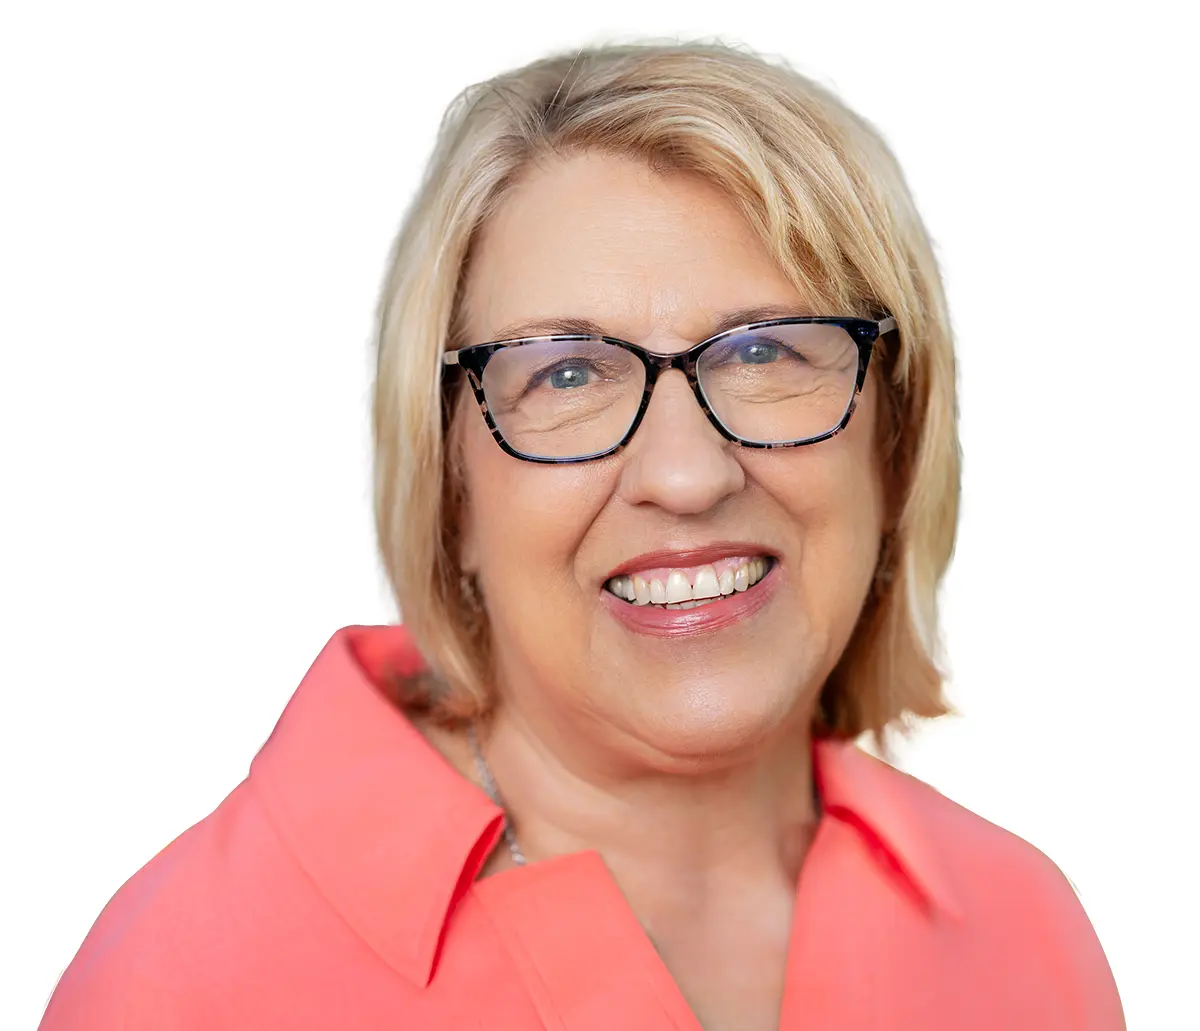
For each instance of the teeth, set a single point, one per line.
(706, 585)
(741, 579)
(692, 604)
(678, 587)
(679, 592)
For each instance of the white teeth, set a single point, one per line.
(705, 584)
(679, 591)
(679, 587)
(726, 582)
(741, 579)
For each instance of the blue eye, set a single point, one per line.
(569, 376)
(758, 352)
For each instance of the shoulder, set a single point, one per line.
(152, 952)
(946, 841)
(986, 863)
(1015, 903)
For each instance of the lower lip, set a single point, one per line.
(660, 622)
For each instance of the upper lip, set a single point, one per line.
(683, 558)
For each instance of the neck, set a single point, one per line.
(696, 822)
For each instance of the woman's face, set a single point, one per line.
(659, 261)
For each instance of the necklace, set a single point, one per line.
(489, 785)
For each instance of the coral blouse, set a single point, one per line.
(335, 887)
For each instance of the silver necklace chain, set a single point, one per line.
(489, 785)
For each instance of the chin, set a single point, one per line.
(712, 720)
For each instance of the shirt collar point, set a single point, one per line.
(892, 810)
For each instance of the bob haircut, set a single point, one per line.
(826, 196)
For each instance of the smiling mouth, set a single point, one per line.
(692, 587)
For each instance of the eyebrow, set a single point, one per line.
(571, 326)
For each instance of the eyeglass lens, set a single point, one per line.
(574, 398)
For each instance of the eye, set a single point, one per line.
(758, 352)
(755, 349)
(569, 376)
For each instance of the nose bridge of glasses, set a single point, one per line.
(685, 392)
(658, 362)
(684, 361)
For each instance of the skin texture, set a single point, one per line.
(685, 762)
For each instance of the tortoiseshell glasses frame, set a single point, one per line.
(474, 359)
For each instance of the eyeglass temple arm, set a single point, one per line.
(450, 358)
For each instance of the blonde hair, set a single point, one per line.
(826, 196)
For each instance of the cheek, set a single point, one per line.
(846, 545)
(842, 521)
(852, 479)
(832, 495)
(524, 522)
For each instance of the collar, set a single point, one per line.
(895, 814)
(369, 809)
(391, 834)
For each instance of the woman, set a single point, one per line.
(667, 477)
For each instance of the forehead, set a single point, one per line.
(606, 238)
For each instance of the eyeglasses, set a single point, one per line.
(575, 398)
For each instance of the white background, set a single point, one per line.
(197, 204)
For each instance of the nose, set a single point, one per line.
(677, 460)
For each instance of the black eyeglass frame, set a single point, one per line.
(474, 359)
